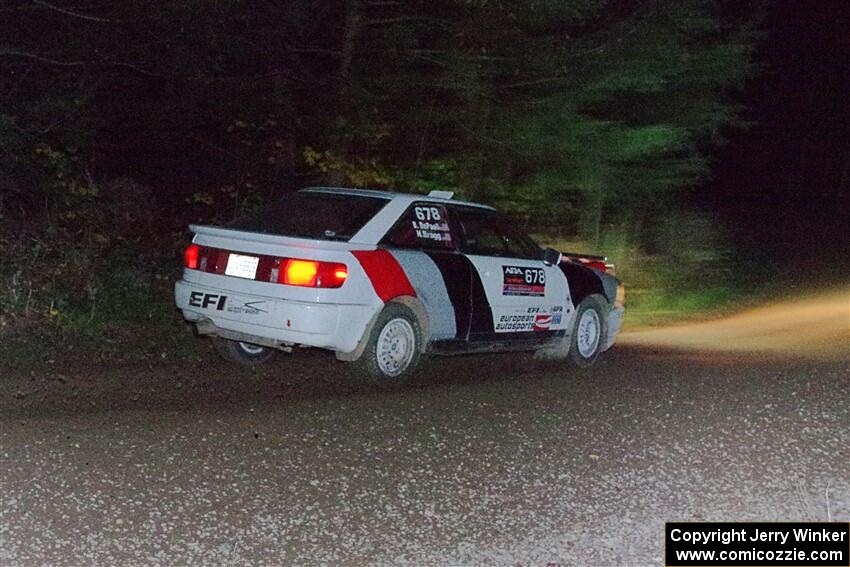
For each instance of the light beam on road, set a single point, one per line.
(817, 326)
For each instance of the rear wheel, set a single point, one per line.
(393, 348)
(589, 331)
(240, 352)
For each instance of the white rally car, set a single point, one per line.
(381, 278)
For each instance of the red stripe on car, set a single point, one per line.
(385, 273)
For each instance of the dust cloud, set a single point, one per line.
(816, 326)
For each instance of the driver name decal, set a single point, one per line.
(521, 280)
(431, 223)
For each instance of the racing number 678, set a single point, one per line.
(427, 213)
(535, 277)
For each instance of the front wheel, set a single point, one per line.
(589, 331)
(244, 353)
(393, 348)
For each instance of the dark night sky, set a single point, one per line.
(784, 182)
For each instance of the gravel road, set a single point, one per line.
(489, 461)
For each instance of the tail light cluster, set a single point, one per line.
(596, 262)
(600, 265)
(287, 271)
(597, 265)
(192, 256)
(309, 273)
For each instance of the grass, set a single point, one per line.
(130, 318)
(43, 345)
(652, 307)
(681, 281)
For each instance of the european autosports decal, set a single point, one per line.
(524, 320)
(521, 280)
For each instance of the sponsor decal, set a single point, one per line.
(521, 280)
(247, 308)
(204, 300)
(542, 321)
(431, 223)
(531, 319)
(557, 312)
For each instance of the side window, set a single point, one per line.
(488, 234)
(424, 226)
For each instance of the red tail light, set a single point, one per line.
(193, 252)
(310, 273)
(300, 272)
(289, 271)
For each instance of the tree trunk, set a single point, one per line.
(349, 36)
(591, 228)
(841, 190)
(344, 108)
(475, 171)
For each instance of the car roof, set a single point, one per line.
(405, 198)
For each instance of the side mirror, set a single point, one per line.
(551, 257)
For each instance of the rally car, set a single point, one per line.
(382, 278)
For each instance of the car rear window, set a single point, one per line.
(306, 214)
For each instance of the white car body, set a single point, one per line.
(510, 301)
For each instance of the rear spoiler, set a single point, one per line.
(590, 260)
(579, 256)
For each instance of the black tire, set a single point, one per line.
(379, 365)
(590, 329)
(243, 353)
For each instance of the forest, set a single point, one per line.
(615, 127)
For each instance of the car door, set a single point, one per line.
(423, 241)
(525, 298)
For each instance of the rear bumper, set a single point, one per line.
(272, 321)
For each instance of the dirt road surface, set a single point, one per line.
(488, 461)
(815, 326)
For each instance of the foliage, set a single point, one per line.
(98, 253)
(120, 122)
(587, 100)
(680, 269)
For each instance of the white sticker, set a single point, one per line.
(242, 266)
(431, 224)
